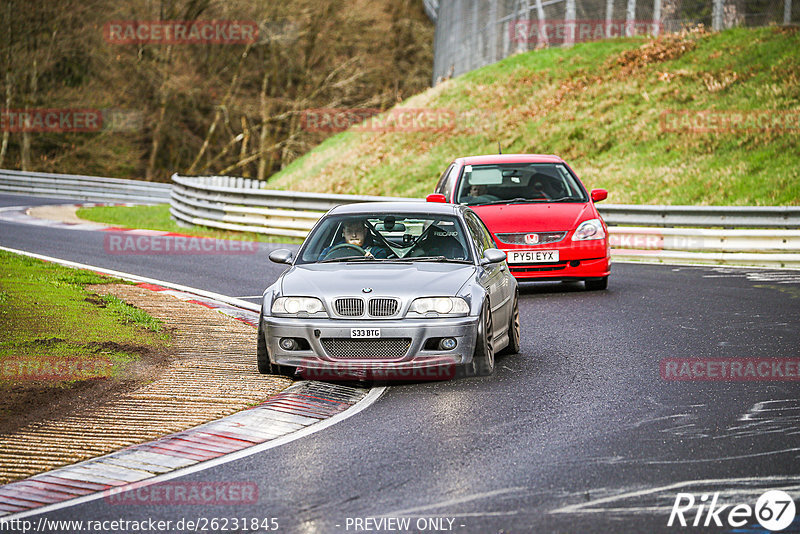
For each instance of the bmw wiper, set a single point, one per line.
(352, 258)
(433, 259)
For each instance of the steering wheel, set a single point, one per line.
(341, 251)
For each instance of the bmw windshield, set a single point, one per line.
(386, 237)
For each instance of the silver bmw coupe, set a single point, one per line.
(393, 291)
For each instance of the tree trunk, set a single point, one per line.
(245, 143)
(218, 113)
(162, 112)
(25, 152)
(263, 138)
(9, 35)
(4, 144)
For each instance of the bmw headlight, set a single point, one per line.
(589, 230)
(440, 305)
(297, 306)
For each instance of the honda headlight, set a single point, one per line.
(440, 306)
(589, 230)
(297, 306)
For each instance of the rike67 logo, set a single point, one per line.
(774, 511)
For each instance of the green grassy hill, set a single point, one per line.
(616, 110)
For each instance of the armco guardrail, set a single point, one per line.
(766, 248)
(702, 216)
(746, 235)
(239, 204)
(83, 187)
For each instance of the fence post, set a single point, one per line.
(716, 15)
(609, 14)
(787, 11)
(569, 23)
(476, 41)
(541, 37)
(524, 9)
(656, 17)
(493, 30)
(630, 16)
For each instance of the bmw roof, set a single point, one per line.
(412, 206)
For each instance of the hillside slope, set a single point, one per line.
(642, 118)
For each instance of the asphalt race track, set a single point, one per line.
(577, 433)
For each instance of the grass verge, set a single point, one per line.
(157, 217)
(58, 339)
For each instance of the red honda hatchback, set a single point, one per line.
(538, 213)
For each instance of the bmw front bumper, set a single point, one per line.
(407, 344)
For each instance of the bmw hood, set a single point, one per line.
(376, 279)
(532, 217)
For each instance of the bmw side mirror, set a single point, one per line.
(281, 255)
(493, 255)
(599, 194)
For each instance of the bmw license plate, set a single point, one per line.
(532, 256)
(365, 332)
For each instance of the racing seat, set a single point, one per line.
(439, 242)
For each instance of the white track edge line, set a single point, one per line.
(370, 398)
(677, 263)
(136, 278)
